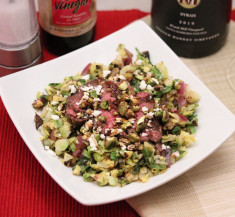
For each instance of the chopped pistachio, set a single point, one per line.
(104, 104)
(136, 108)
(133, 137)
(134, 101)
(102, 118)
(110, 141)
(130, 114)
(122, 108)
(123, 86)
(140, 127)
(125, 125)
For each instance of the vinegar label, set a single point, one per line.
(189, 3)
(70, 12)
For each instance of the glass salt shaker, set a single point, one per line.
(20, 45)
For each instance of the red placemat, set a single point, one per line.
(25, 187)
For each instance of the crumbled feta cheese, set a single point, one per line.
(163, 146)
(77, 103)
(96, 113)
(108, 173)
(58, 92)
(72, 88)
(143, 85)
(93, 143)
(106, 73)
(115, 78)
(86, 77)
(87, 88)
(150, 114)
(46, 147)
(139, 62)
(145, 109)
(150, 88)
(168, 146)
(96, 100)
(55, 117)
(98, 89)
(54, 103)
(89, 124)
(122, 77)
(106, 130)
(123, 147)
(175, 154)
(102, 136)
(86, 93)
(85, 97)
(144, 134)
(157, 109)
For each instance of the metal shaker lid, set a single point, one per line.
(21, 55)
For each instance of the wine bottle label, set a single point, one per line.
(189, 3)
(67, 18)
(70, 13)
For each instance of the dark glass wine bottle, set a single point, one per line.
(66, 24)
(192, 28)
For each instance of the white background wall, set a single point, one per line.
(143, 5)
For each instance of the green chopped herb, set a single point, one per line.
(147, 152)
(93, 94)
(114, 156)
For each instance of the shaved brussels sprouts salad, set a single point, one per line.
(120, 123)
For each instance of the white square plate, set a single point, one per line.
(18, 91)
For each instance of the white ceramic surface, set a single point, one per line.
(18, 91)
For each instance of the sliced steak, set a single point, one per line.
(109, 122)
(110, 94)
(72, 106)
(153, 133)
(80, 146)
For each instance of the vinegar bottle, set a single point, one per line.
(67, 24)
(192, 28)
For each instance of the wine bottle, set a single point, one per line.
(192, 28)
(67, 24)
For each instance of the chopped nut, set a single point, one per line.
(122, 108)
(90, 100)
(134, 101)
(124, 140)
(89, 111)
(136, 108)
(133, 137)
(128, 76)
(37, 103)
(130, 114)
(89, 124)
(95, 105)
